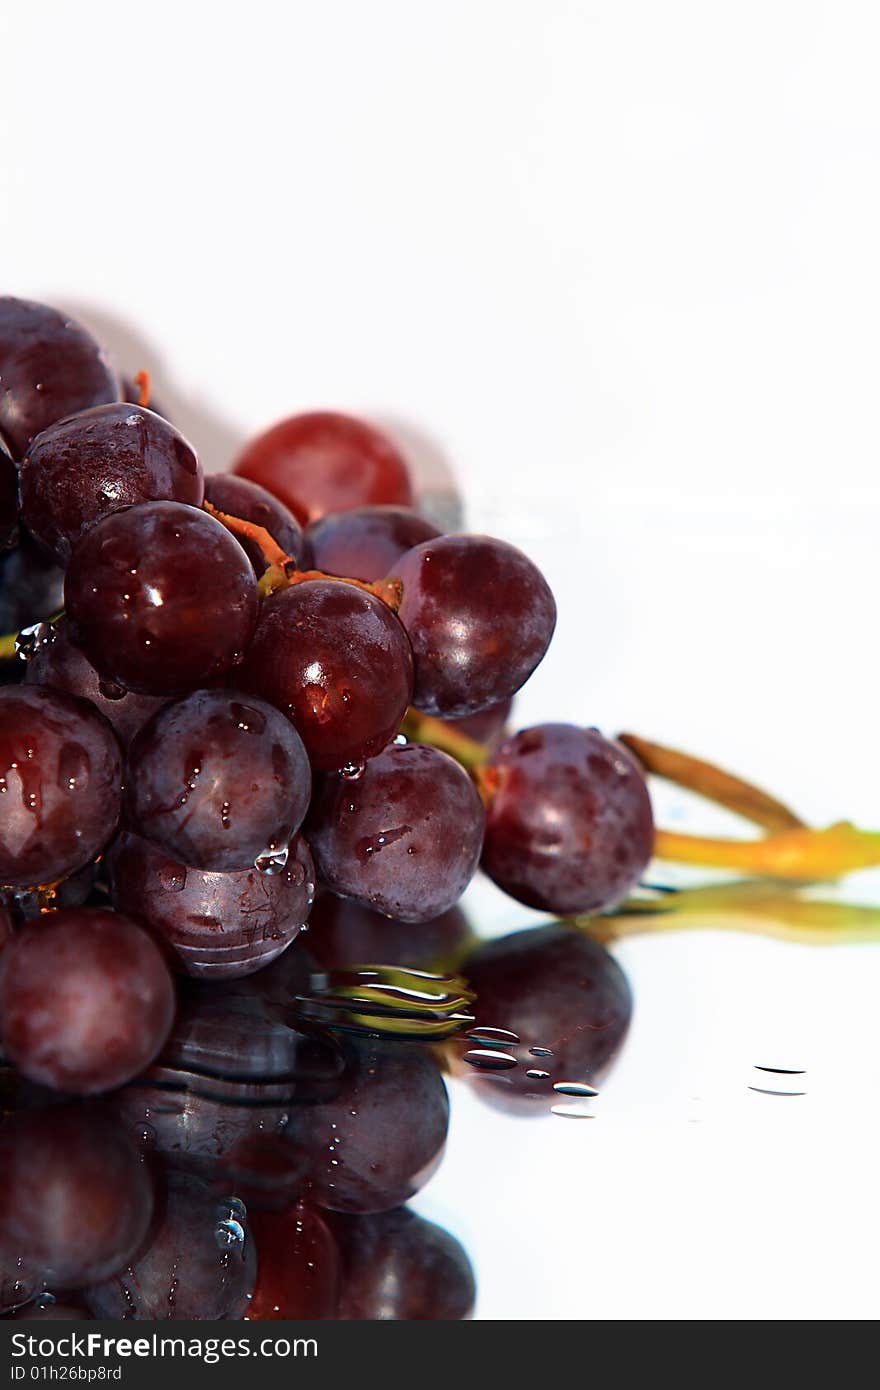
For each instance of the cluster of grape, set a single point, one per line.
(244, 706)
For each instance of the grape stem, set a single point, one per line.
(799, 855)
(142, 382)
(424, 728)
(281, 571)
(8, 650)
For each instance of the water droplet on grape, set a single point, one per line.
(273, 860)
(535, 1075)
(31, 638)
(353, 772)
(541, 1051)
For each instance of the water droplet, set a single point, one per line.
(574, 1088)
(352, 772)
(30, 639)
(572, 1112)
(535, 1075)
(401, 740)
(541, 1051)
(502, 1037)
(273, 860)
(486, 1059)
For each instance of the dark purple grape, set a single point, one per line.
(297, 1266)
(60, 665)
(405, 838)
(199, 1264)
(8, 498)
(86, 466)
(31, 586)
(326, 462)
(49, 367)
(561, 994)
(250, 502)
(485, 727)
(479, 616)
(219, 780)
(218, 925)
(344, 933)
(380, 1140)
(366, 543)
(86, 1000)
(161, 598)
(60, 785)
(76, 1198)
(337, 662)
(569, 826)
(398, 1267)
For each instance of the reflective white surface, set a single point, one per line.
(614, 266)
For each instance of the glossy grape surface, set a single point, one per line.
(242, 498)
(86, 1000)
(49, 367)
(398, 1267)
(218, 925)
(405, 838)
(559, 991)
(337, 662)
(367, 542)
(76, 1199)
(323, 462)
(480, 617)
(161, 598)
(60, 665)
(86, 466)
(218, 780)
(487, 726)
(569, 827)
(60, 784)
(345, 933)
(297, 1266)
(378, 1142)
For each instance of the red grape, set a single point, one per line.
(559, 992)
(344, 933)
(479, 616)
(326, 462)
(60, 665)
(398, 1267)
(337, 662)
(83, 467)
(250, 502)
(569, 826)
(405, 838)
(49, 367)
(367, 542)
(487, 726)
(161, 598)
(219, 780)
(297, 1266)
(60, 785)
(218, 925)
(86, 1000)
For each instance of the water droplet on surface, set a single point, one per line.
(486, 1059)
(541, 1051)
(352, 772)
(574, 1088)
(30, 639)
(500, 1036)
(535, 1075)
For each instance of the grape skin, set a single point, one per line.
(49, 367)
(161, 598)
(218, 925)
(569, 827)
(367, 542)
(297, 1266)
(60, 785)
(86, 1000)
(323, 461)
(398, 1267)
(480, 617)
(88, 465)
(337, 662)
(217, 779)
(250, 502)
(405, 838)
(343, 933)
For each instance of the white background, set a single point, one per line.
(615, 267)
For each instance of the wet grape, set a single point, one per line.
(250, 502)
(345, 933)
(297, 1266)
(398, 1267)
(367, 542)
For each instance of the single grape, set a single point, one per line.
(569, 826)
(380, 1140)
(344, 933)
(405, 838)
(367, 542)
(199, 1265)
(86, 1000)
(398, 1267)
(337, 662)
(326, 462)
(86, 466)
(297, 1266)
(76, 1200)
(60, 665)
(60, 785)
(485, 727)
(480, 617)
(161, 598)
(218, 925)
(219, 780)
(559, 992)
(8, 498)
(31, 586)
(49, 367)
(250, 502)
